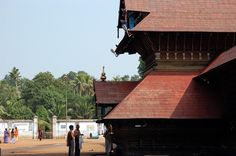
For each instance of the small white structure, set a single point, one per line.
(87, 127)
(26, 128)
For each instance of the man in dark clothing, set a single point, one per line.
(70, 141)
(77, 141)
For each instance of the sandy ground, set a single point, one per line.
(50, 147)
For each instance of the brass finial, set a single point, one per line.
(103, 75)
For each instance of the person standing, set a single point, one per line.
(13, 140)
(6, 136)
(77, 140)
(108, 139)
(40, 135)
(16, 133)
(70, 141)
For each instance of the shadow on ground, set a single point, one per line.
(60, 154)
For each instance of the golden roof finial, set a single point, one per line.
(103, 75)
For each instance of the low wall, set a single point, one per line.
(87, 127)
(26, 128)
(29, 128)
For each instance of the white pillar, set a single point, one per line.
(54, 127)
(35, 127)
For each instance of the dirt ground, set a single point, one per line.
(50, 147)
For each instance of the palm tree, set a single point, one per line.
(82, 108)
(3, 112)
(88, 85)
(15, 76)
(83, 84)
(8, 97)
(79, 84)
(60, 110)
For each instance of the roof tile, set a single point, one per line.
(168, 95)
(112, 92)
(185, 15)
(223, 58)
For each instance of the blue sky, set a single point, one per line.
(61, 36)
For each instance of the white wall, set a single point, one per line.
(25, 128)
(29, 128)
(86, 127)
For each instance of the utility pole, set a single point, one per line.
(66, 81)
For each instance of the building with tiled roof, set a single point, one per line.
(185, 104)
(180, 16)
(109, 93)
(168, 95)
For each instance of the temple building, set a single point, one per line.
(186, 102)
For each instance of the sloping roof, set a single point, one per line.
(222, 59)
(185, 15)
(112, 92)
(168, 95)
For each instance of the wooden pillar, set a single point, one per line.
(168, 41)
(200, 48)
(176, 41)
(208, 56)
(217, 40)
(159, 48)
(193, 41)
(184, 42)
(226, 36)
(234, 40)
(209, 39)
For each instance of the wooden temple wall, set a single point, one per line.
(175, 137)
(188, 47)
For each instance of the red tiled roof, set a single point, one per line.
(223, 58)
(185, 15)
(168, 95)
(112, 92)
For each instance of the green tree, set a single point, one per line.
(117, 78)
(125, 78)
(46, 96)
(43, 79)
(60, 110)
(83, 84)
(72, 75)
(3, 112)
(135, 78)
(141, 67)
(19, 111)
(82, 107)
(44, 119)
(43, 92)
(11, 106)
(15, 77)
